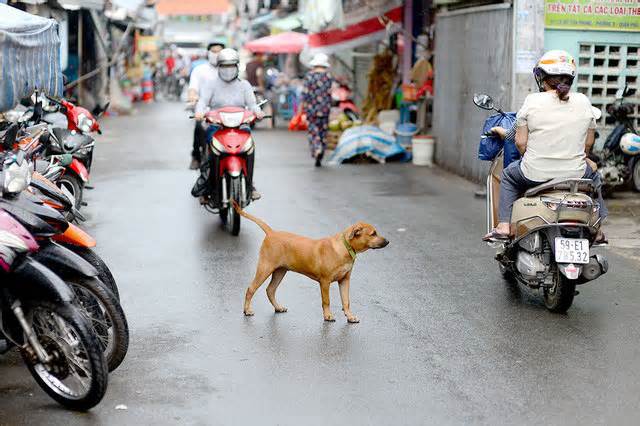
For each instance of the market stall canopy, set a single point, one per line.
(81, 4)
(368, 28)
(29, 56)
(192, 7)
(289, 42)
(288, 23)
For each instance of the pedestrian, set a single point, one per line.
(200, 76)
(316, 103)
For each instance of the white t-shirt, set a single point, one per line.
(557, 135)
(200, 75)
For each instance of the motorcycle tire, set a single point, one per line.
(85, 340)
(507, 275)
(104, 274)
(102, 309)
(75, 186)
(635, 176)
(352, 115)
(559, 297)
(229, 216)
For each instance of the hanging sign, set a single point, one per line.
(602, 15)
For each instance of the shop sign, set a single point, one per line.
(602, 15)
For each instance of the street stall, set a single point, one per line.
(30, 56)
(284, 88)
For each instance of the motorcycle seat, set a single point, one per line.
(562, 184)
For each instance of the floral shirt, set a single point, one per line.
(316, 94)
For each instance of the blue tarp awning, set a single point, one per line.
(29, 56)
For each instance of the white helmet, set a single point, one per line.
(228, 56)
(554, 62)
(630, 144)
(227, 63)
(320, 60)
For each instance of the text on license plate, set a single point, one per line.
(572, 250)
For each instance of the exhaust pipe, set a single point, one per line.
(598, 265)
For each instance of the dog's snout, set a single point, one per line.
(385, 243)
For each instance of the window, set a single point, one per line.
(603, 69)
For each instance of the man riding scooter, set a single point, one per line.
(555, 132)
(228, 90)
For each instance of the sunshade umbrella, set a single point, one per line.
(289, 42)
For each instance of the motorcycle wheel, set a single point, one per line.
(352, 115)
(74, 185)
(101, 308)
(559, 297)
(229, 216)
(635, 176)
(77, 375)
(104, 274)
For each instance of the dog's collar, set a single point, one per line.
(350, 249)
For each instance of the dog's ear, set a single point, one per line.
(355, 232)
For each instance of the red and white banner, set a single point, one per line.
(362, 32)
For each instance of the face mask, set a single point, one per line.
(213, 58)
(228, 73)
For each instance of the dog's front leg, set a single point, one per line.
(324, 291)
(344, 296)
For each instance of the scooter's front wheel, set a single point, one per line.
(635, 176)
(559, 297)
(229, 216)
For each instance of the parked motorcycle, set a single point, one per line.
(618, 163)
(98, 303)
(227, 169)
(342, 97)
(38, 316)
(555, 226)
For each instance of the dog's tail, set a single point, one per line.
(266, 228)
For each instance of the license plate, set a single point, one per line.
(572, 250)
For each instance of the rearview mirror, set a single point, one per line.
(483, 101)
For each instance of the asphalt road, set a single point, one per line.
(442, 339)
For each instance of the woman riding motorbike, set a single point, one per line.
(554, 133)
(224, 91)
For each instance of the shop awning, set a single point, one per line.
(288, 23)
(357, 34)
(289, 42)
(30, 56)
(81, 4)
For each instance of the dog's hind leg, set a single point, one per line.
(262, 273)
(276, 278)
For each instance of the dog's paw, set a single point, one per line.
(329, 318)
(248, 313)
(353, 319)
(280, 310)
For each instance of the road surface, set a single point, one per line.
(442, 339)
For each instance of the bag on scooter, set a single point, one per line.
(490, 146)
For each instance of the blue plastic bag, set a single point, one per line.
(491, 146)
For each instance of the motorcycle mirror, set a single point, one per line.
(66, 159)
(484, 101)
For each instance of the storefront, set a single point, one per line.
(604, 38)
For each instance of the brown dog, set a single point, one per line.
(325, 260)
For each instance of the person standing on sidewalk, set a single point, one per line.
(200, 76)
(316, 103)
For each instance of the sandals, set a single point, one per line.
(496, 236)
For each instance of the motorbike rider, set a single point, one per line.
(200, 74)
(554, 134)
(226, 90)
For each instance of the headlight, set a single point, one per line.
(84, 123)
(16, 177)
(231, 119)
(217, 146)
(248, 145)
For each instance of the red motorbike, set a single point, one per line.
(229, 167)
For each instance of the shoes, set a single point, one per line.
(255, 195)
(203, 199)
(319, 155)
(195, 164)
